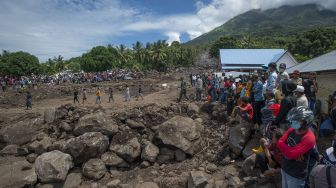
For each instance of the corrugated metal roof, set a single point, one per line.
(239, 67)
(250, 56)
(324, 62)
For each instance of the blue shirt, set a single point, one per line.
(271, 81)
(258, 91)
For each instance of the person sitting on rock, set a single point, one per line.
(244, 110)
(269, 157)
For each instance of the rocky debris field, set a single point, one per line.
(148, 146)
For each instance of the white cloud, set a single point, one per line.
(173, 36)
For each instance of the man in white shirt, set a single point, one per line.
(300, 96)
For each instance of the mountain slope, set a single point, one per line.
(285, 20)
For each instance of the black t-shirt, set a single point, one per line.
(310, 91)
(297, 169)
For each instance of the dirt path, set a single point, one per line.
(163, 96)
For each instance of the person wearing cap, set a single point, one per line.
(283, 75)
(301, 99)
(272, 77)
(296, 77)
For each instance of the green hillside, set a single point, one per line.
(282, 21)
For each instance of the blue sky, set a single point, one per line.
(48, 28)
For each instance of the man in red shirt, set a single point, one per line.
(296, 145)
(244, 110)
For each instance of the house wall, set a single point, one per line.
(288, 60)
(326, 85)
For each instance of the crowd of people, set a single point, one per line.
(282, 109)
(19, 82)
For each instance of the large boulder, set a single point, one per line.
(112, 159)
(97, 122)
(238, 138)
(86, 146)
(53, 166)
(198, 179)
(150, 152)
(147, 185)
(252, 143)
(10, 150)
(126, 145)
(41, 146)
(135, 124)
(249, 164)
(21, 132)
(50, 115)
(94, 169)
(73, 180)
(16, 172)
(181, 132)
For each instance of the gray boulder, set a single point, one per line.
(21, 132)
(238, 137)
(97, 122)
(53, 166)
(73, 180)
(150, 152)
(14, 173)
(94, 169)
(126, 145)
(87, 146)
(40, 147)
(147, 185)
(135, 124)
(65, 126)
(249, 164)
(197, 179)
(112, 159)
(50, 115)
(10, 150)
(253, 143)
(181, 132)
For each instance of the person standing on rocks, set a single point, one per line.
(98, 96)
(139, 92)
(296, 146)
(110, 91)
(76, 96)
(199, 85)
(29, 100)
(84, 96)
(127, 94)
(183, 92)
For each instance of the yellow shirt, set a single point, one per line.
(98, 93)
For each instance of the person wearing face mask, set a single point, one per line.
(283, 75)
(272, 77)
(296, 146)
(301, 99)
